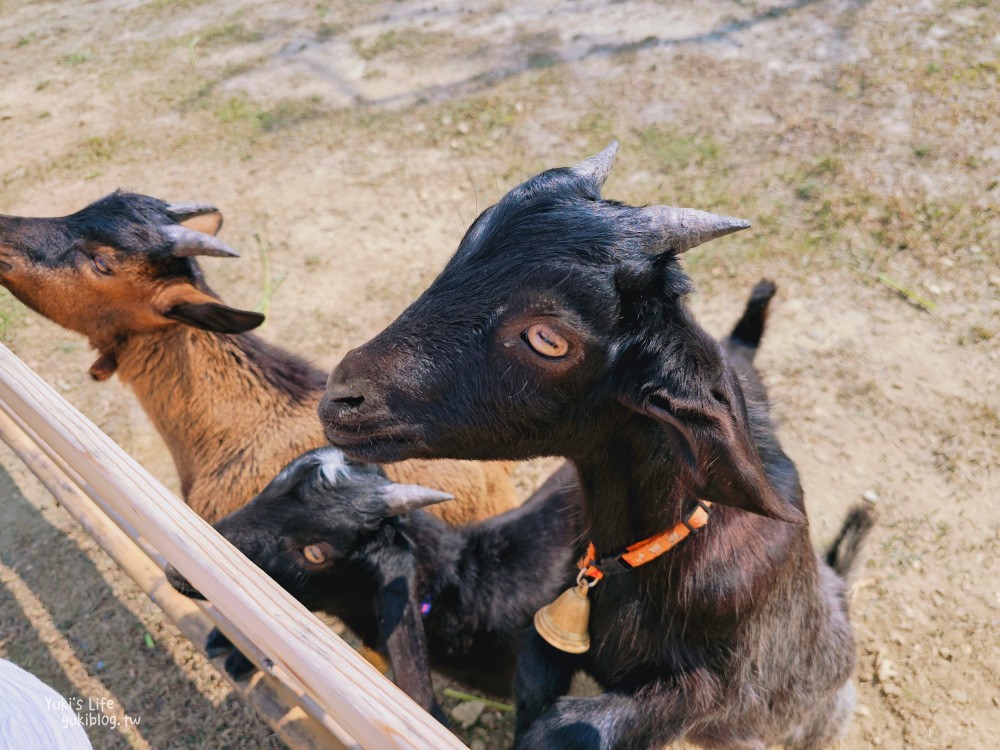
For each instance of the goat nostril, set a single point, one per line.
(344, 394)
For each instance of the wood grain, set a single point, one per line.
(302, 653)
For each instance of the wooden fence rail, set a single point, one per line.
(306, 661)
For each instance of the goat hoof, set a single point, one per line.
(239, 667)
(216, 644)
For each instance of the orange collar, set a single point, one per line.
(643, 552)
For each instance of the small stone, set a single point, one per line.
(946, 653)
(869, 496)
(815, 335)
(966, 649)
(861, 709)
(464, 128)
(466, 714)
(477, 744)
(958, 696)
(489, 718)
(896, 637)
(885, 670)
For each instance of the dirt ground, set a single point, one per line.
(349, 144)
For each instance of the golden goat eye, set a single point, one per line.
(546, 341)
(101, 265)
(314, 554)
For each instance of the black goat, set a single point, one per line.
(343, 539)
(579, 343)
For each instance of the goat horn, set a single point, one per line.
(184, 210)
(598, 167)
(401, 498)
(188, 243)
(680, 229)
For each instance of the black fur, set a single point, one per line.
(482, 582)
(736, 638)
(129, 222)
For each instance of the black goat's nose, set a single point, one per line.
(344, 394)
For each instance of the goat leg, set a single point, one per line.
(543, 674)
(216, 644)
(239, 667)
(651, 718)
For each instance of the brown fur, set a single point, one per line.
(201, 389)
(232, 409)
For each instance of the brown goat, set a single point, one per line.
(232, 409)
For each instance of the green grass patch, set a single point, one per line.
(327, 31)
(12, 315)
(406, 40)
(89, 156)
(242, 111)
(227, 34)
(74, 59)
(159, 8)
(667, 149)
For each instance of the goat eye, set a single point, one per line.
(314, 554)
(101, 265)
(545, 341)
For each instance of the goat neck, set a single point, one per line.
(200, 389)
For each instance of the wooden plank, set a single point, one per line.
(70, 481)
(273, 701)
(302, 652)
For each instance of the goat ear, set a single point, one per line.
(201, 217)
(187, 304)
(214, 316)
(717, 444)
(402, 498)
(400, 629)
(209, 223)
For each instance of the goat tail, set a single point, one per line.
(844, 554)
(750, 328)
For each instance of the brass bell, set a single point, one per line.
(563, 623)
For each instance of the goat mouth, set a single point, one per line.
(374, 448)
